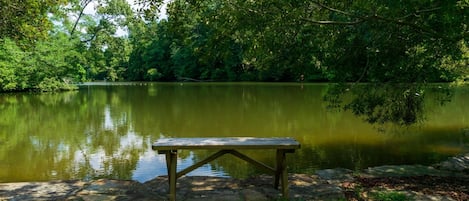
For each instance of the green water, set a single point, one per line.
(106, 131)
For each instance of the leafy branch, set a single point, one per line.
(359, 19)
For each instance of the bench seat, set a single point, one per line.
(170, 147)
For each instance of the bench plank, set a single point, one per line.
(225, 143)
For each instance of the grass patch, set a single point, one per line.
(390, 196)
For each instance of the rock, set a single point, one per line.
(335, 174)
(313, 187)
(465, 132)
(54, 190)
(214, 195)
(404, 170)
(108, 189)
(252, 195)
(329, 184)
(458, 163)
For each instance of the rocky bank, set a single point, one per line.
(443, 181)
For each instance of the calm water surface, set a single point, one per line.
(106, 131)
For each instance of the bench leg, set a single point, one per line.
(171, 163)
(281, 173)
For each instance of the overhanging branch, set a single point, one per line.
(357, 19)
(334, 10)
(330, 22)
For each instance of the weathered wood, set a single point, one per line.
(202, 162)
(278, 166)
(170, 146)
(225, 143)
(282, 172)
(172, 174)
(252, 161)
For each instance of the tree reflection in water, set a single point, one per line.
(105, 131)
(395, 103)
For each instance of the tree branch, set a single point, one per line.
(362, 19)
(405, 23)
(419, 12)
(329, 22)
(95, 34)
(334, 10)
(83, 5)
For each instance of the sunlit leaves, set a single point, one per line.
(11, 57)
(48, 67)
(26, 20)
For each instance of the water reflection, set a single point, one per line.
(395, 103)
(107, 130)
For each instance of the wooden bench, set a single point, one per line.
(170, 146)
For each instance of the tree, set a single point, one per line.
(27, 20)
(50, 65)
(151, 57)
(374, 41)
(80, 7)
(106, 54)
(400, 42)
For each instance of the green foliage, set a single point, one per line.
(369, 41)
(54, 84)
(108, 54)
(103, 54)
(153, 74)
(396, 103)
(403, 105)
(374, 41)
(390, 196)
(26, 21)
(11, 62)
(150, 59)
(48, 67)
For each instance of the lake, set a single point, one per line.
(106, 130)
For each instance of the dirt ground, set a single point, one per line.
(456, 188)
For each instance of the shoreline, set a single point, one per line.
(328, 184)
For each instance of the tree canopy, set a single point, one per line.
(374, 41)
(26, 19)
(48, 44)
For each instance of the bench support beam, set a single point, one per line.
(253, 162)
(202, 162)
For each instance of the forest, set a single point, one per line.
(51, 45)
